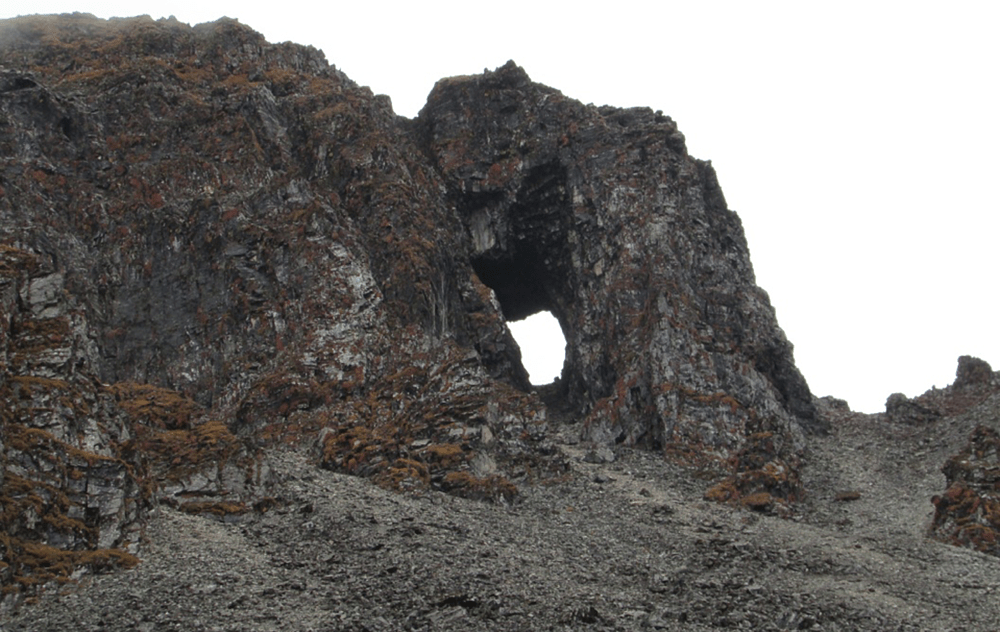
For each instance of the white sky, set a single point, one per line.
(858, 141)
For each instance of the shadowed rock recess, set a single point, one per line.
(216, 252)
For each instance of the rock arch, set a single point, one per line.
(600, 216)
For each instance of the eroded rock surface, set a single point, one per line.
(967, 513)
(223, 264)
(600, 216)
(67, 498)
(214, 249)
(216, 244)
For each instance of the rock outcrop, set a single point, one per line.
(213, 244)
(975, 382)
(600, 216)
(968, 512)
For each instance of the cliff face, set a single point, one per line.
(212, 245)
(599, 215)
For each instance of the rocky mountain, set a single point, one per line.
(230, 276)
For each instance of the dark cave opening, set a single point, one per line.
(531, 314)
(523, 255)
(517, 282)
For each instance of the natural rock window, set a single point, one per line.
(543, 346)
(523, 251)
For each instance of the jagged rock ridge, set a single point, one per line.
(212, 244)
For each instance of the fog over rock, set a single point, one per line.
(221, 259)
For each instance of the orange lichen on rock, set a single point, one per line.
(968, 513)
(762, 478)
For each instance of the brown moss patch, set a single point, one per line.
(423, 422)
(761, 501)
(30, 512)
(42, 445)
(964, 517)
(279, 395)
(32, 564)
(968, 513)
(35, 335)
(762, 477)
(723, 492)
(446, 455)
(155, 406)
(175, 454)
(404, 474)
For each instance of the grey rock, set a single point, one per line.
(44, 296)
(972, 372)
(601, 454)
(902, 409)
(190, 299)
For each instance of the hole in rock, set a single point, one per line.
(543, 346)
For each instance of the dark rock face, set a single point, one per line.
(65, 490)
(973, 373)
(600, 216)
(213, 244)
(902, 409)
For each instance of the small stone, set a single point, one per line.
(44, 296)
(847, 496)
(482, 465)
(657, 622)
(600, 455)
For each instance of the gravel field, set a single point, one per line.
(618, 545)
